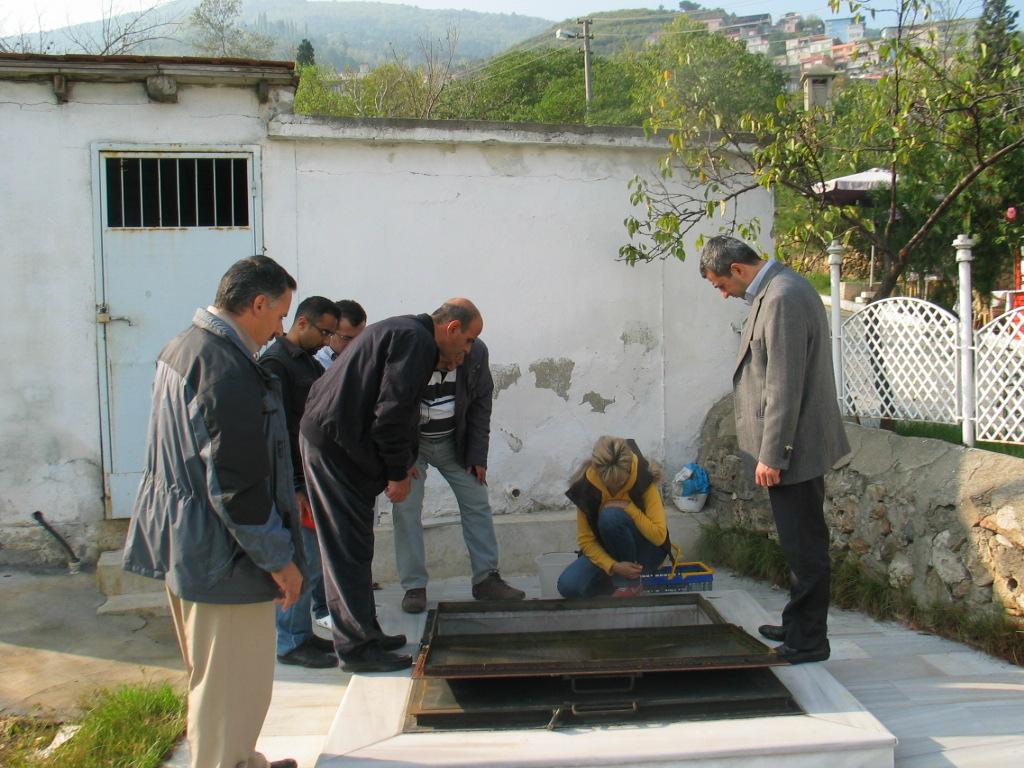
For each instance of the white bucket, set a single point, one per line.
(549, 568)
(693, 503)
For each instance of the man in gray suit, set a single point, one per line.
(788, 424)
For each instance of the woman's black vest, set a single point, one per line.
(588, 498)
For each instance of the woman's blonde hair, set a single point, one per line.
(612, 460)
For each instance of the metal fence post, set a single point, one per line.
(963, 245)
(835, 261)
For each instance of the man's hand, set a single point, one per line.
(479, 472)
(397, 490)
(767, 476)
(289, 582)
(627, 570)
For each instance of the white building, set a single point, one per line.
(131, 184)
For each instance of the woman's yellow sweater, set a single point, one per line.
(650, 521)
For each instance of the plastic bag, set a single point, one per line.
(693, 487)
(693, 480)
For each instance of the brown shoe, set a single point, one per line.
(286, 763)
(415, 600)
(495, 588)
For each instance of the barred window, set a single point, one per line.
(149, 191)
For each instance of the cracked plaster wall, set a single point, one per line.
(530, 231)
(580, 344)
(943, 520)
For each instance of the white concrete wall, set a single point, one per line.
(528, 227)
(527, 223)
(50, 452)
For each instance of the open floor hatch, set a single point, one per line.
(551, 663)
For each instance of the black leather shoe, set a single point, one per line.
(307, 655)
(375, 659)
(415, 600)
(392, 642)
(321, 644)
(773, 632)
(286, 763)
(795, 656)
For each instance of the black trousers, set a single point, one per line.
(800, 521)
(344, 524)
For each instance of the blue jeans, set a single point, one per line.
(622, 541)
(294, 625)
(474, 511)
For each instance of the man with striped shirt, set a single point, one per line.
(455, 426)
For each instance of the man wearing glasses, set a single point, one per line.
(351, 323)
(290, 358)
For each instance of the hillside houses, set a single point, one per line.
(844, 45)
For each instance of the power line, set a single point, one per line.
(539, 44)
(540, 58)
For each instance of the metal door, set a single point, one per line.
(171, 223)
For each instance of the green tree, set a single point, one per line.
(682, 83)
(545, 86)
(305, 56)
(995, 32)
(217, 30)
(394, 89)
(951, 140)
(703, 75)
(319, 93)
(811, 25)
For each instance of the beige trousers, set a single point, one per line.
(229, 658)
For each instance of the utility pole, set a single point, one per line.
(565, 34)
(586, 58)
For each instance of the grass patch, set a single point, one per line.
(822, 281)
(855, 587)
(126, 727)
(21, 737)
(952, 433)
(746, 552)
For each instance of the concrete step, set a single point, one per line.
(114, 580)
(521, 539)
(140, 604)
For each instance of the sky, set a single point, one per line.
(18, 16)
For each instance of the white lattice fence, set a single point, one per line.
(900, 362)
(999, 379)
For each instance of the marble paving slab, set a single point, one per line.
(836, 730)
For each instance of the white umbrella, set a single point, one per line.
(855, 187)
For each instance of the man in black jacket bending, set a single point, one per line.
(359, 436)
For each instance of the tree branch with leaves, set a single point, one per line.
(944, 119)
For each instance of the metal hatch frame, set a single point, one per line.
(469, 637)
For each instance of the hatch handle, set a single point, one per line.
(598, 709)
(556, 715)
(608, 684)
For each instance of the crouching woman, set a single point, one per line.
(620, 522)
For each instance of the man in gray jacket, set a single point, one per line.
(788, 425)
(455, 429)
(215, 516)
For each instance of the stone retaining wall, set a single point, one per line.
(944, 520)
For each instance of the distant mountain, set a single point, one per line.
(344, 34)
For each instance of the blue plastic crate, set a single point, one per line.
(689, 577)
